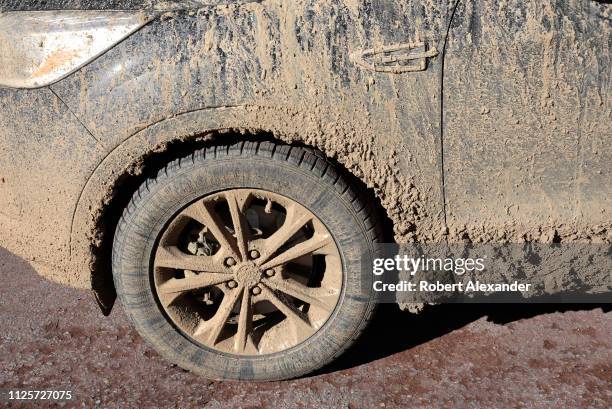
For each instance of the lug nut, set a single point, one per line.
(270, 272)
(232, 284)
(230, 261)
(254, 253)
(256, 290)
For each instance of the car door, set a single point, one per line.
(527, 120)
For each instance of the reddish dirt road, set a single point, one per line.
(54, 337)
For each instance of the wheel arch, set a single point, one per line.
(117, 177)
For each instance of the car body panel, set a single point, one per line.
(44, 162)
(527, 121)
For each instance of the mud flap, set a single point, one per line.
(104, 292)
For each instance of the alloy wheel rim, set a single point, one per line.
(247, 272)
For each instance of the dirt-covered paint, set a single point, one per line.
(527, 121)
(284, 68)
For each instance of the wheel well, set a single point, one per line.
(127, 184)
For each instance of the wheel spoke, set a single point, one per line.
(245, 322)
(309, 246)
(292, 224)
(201, 213)
(236, 201)
(179, 285)
(297, 318)
(320, 297)
(211, 329)
(173, 257)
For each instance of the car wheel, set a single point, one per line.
(245, 261)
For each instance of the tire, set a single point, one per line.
(307, 181)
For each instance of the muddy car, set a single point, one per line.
(225, 167)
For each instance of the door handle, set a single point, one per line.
(396, 58)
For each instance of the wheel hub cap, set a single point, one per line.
(247, 272)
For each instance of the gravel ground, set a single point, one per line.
(54, 337)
